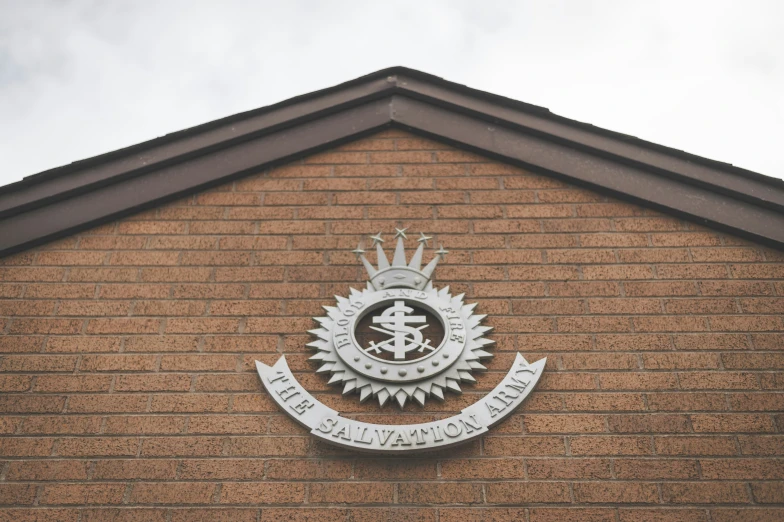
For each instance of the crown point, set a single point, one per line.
(358, 251)
(399, 258)
(416, 259)
(398, 273)
(376, 239)
(383, 262)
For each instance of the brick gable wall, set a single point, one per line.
(126, 354)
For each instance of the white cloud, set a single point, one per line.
(82, 78)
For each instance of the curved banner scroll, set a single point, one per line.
(327, 425)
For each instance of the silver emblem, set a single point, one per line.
(400, 339)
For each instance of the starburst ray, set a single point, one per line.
(401, 398)
(365, 393)
(349, 387)
(321, 332)
(319, 345)
(466, 376)
(383, 397)
(453, 385)
(420, 396)
(325, 368)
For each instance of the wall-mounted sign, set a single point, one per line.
(397, 340)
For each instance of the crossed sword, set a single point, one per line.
(376, 347)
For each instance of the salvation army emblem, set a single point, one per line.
(400, 339)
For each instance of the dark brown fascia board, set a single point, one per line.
(695, 202)
(70, 180)
(132, 194)
(625, 149)
(65, 200)
(65, 181)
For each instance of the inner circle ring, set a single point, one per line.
(382, 304)
(352, 354)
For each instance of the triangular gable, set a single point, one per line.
(62, 201)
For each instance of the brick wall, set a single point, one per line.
(126, 359)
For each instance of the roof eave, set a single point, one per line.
(84, 194)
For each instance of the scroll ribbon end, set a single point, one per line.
(264, 369)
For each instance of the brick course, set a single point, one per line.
(126, 354)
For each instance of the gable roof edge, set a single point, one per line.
(749, 204)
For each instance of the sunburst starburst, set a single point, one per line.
(402, 286)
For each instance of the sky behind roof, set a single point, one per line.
(83, 77)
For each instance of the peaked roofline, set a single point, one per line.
(64, 200)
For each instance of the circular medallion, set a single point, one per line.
(400, 337)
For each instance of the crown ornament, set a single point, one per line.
(407, 362)
(400, 273)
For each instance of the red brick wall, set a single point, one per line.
(127, 354)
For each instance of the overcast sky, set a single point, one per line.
(80, 78)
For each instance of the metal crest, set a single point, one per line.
(401, 304)
(400, 339)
